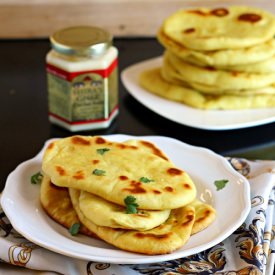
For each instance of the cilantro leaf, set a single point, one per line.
(74, 229)
(99, 172)
(131, 205)
(131, 209)
(101, 151)
(145, 180)
(36, 178)
(220, 184)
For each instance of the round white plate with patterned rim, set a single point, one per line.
(20, 201)
(183, 114)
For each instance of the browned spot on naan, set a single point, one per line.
(154, 149)
(123, 177)
(168, 189)
(50, 146)
(220, 12)
(174, 172)
(61, 171)
(100, 140)
(79, 175)
(80, 141)
(135, 188)
(152, 236)
(250, 17)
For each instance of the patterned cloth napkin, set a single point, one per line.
(249, 250)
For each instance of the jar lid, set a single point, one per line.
(81, 41)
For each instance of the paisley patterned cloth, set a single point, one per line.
(249, 250)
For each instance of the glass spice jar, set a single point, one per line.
(82, 78)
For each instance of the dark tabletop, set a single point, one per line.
(24, 113)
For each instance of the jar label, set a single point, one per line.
(88, 97)
(82, 97)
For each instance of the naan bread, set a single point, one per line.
(57, 204)
(263, 67)
(105, 213)
(148, 147)
(172, 76)
(242, 92)
(75, 162)
(166, 238)
(219, 80)
(152, 81)
(64, 207)
(205, 214)
(220, 58)
(208, 29)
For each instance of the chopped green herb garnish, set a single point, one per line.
(101, 151)
(131, 205)
(74, 229)
(98, 172)
(220, 184)
(36, 178)
(145, 180)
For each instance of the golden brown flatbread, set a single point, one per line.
(225, 58)
(170, 74)
(57, 204)
(105, 213)
(205, 214)
(148, 147)
(208, 29)
(65, 205)
(152, 81)
(216, 80)
(78, 162)
(166, 238)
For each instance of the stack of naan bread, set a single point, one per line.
(216, 58)
(87, 178)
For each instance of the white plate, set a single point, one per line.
(183, 114)
(20, 201)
